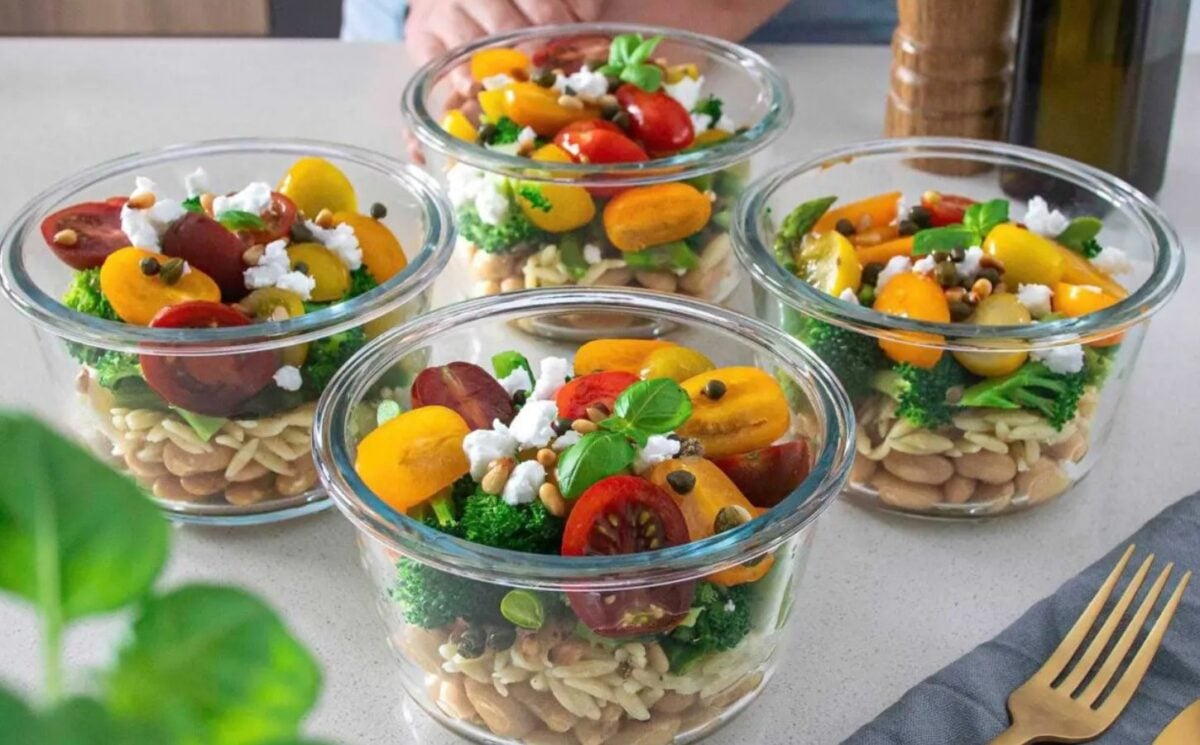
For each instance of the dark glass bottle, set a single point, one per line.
(1095, 80)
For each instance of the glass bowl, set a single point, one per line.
(256, 466)
(756, 98)
(563, 680)
(987, 461)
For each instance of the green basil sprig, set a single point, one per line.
(794, 227)
(655, 406)
(597, 455)
(627, 60)
(192, 204)
(978, 221)
(241, 220)
(504, 363)
(1079, 232)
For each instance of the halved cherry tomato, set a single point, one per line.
(599, 141)
(1079, 300)
(531, 105)
(945, 209)
(884, 252)
(327, 269)
(568, 54)
(628, 355)
(383, 256)
(488, 63)
(574, 398)
(413, 456)
(97, 227)
(919, 297)
(467, 389)
(768, 475)
(138, 297)
(213, 385)
(279, 217)
(627, 515)
(210, 247)
(865, 214)
(314, 184)
(659, 121)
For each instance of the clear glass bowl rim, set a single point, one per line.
(831, 465)
(48, 313)
(677, 167)
(754, 252)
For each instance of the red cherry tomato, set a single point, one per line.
(97, 227)
(569, 53)
(574, 398)
(467, 389)
(214, 385)
(279, 216)
(659, 121)
(768, 475)
(627, 515)
(210, 247)
(598, 141)
(948, 209)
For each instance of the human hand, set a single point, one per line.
(435, 26)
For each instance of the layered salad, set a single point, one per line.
(219, 428)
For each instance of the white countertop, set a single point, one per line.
(886, 601)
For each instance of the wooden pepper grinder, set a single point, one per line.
(951, 72)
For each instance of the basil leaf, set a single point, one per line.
(625, 429)
(1079, 231)
(647, 77)
(621, 48)
(943, 239)
(213, 665)
(596, 456)
(675, 255)
(192, 204)
(981, 217)
(76, 537)
(656, 406)
(642, 51)
(504, 363)
(795, 226)
(84, 721)
(240, 220)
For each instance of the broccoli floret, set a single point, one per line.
(361, 282)
(489, 520)
(507, 132)
(710, 106)
(113, 367)
(432, 598)
(1090, 248)
(852, 356)
(514, 229)
(1033, 386)
(84, 295)
(1098, 364)
(721, 621)
(925, 397)
(326, 356)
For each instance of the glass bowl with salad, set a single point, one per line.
(194, 301)
(590, 542)
(984, 326)
(596, 154)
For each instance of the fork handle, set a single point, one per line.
(1014, 735)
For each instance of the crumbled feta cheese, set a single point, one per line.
(591, 253)
(658, 448)
(288, 378)
(196, 182)
(491, 201)
(274, 269)
(1035, 298)
(517, 380)
(463, 183)
(1112, 260)
(523, 484)
(297, 282)
(924, 265)
(701, 122)
(895, 266)
(566, 440)
(587, 84)
(255, 198)
(492, 82)
(482, 446)
(1062, 360)
(848, 296)
(552, 375)
(142, 184)
(145, 227)
(533, 426)
(969, 266)
(1044, 221)
(341, 240)
(525, 138)
(686, 91)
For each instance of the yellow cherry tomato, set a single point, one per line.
(137, 297)
(1080, 300)
(709, 137)
(676, 73)
(274, 304)
(324, 266)
(531, 105)
(921, 298)
(1028, 258)
(627, 355)
(1077, 270)
(383, 256)
(872, 212)
(830, 264)
(676, 363)
(551, 153)
(487, 63)
(555, 208)
(414, 456)
(457, 124)
(1000, 309)
(647, 216)
(491, 103)
(735, 410)
(315, 184)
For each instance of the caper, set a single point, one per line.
(960, 310)
(730, 517)
(301, 267)
(487, 133)
(714, 390)
(946, 273)
(172, 271)
(958, 253)
(378, 210)
(520, 397)
(908, 227)
(501, 637)
(472, 643)
(544, 77)
(870, 273)
(990, 274)
(866, 295)
(561, 426)
(300, 233)
(149, 266)
(681, 481)
(609, 109)
(622, 120)
(920, 216)
(845, 227)
(941, 256)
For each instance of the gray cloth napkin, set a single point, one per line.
(964, 703)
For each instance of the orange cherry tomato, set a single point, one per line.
(531, 105)
(487, 63)
(920, 298)
(864, 214)
(1080, 300)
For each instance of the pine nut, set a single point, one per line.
(570, 102)
(324, 218)
(252, 255)
(552, 498)
(982, 288)
(66, 237)
(547, 457)
(141, 200)
(497, 476)
(584, 426)
(206, 202)
(597, 413)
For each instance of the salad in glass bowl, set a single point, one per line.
(596, 154)
(594, 542)
(206, 294)
(984, 339)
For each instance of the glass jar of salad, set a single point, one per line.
(194, 302)
(597, 542)
(596, 154)
(985, 341)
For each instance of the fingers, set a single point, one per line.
(586, 10)
(545, 12)
(496, 16)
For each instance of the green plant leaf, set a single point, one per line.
(647, 77)
(981, 217)
(794, 227)
(643, 50)
(17, 721)
(624, 428)
(76, 721)
(674, 255)
(213, 666)
(203, 425)
(597, 455)
(192, 204)
(74, 534)
(655, 406)
(1079, 231)
(943, 239)
(505, 363)
(241, 220)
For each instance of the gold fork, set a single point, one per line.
(1042, 710)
